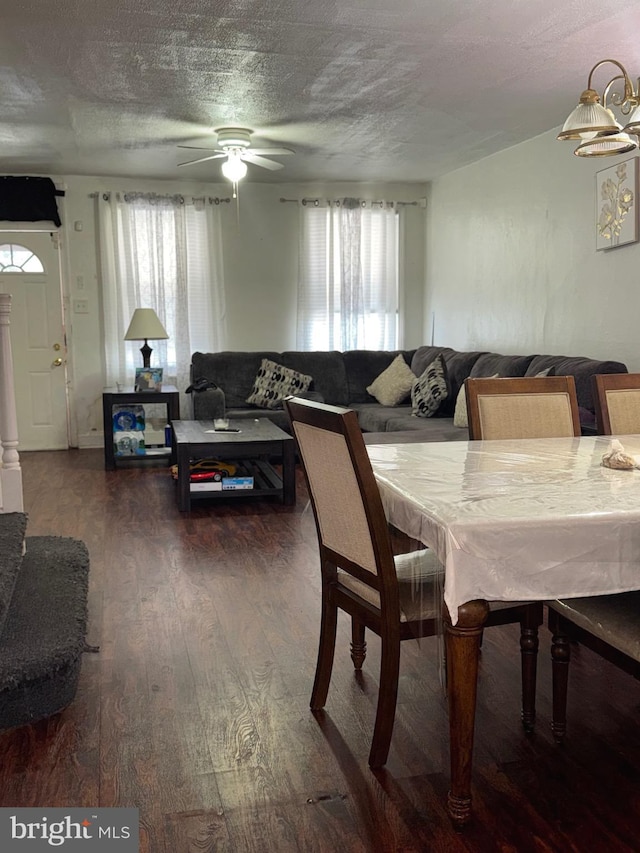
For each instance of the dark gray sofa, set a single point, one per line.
(341, 378)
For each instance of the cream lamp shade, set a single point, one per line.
(145, 326)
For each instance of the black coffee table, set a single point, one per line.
(252, 447)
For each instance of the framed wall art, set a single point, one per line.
(617, 205)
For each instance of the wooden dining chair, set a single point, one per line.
(617, 403)
(607, 624)
(522, 407)
(397, 597)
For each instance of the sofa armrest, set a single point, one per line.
(208, 404)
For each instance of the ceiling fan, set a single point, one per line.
(234, 144)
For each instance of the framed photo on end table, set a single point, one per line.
(148, 379)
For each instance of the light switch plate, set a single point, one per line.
(80, 306)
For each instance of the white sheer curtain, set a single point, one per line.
(348, 282)
(162, 253)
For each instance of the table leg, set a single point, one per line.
(463, 646)
(184, 478)
(288, 473)
(107, 429)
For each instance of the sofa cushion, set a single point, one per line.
(429, 390)
(458, 366)
(363, 366)
(372, 417)
(394, 384)
(274, 382)
(492, 363)
(329, 377)
(423, 357)
(582, 369)
(424, 429)
(234, 372)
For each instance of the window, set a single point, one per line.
(348, 285)
(162, 253)
(15, 258)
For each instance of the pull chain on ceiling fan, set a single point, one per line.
(234, 145)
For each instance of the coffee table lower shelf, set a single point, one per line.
(267, 482)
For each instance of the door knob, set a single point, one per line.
(56, 362)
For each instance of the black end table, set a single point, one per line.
(168, 395)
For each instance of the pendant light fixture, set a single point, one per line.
(594, 124)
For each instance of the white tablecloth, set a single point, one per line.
(517, 520)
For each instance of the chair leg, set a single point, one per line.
(358, 643)
(529, 656)
(387, 698)
(560, 657)
(326, 650)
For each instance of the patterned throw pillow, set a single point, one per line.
(429, 390)
(460, 417)
(274, 382)
(394, 384)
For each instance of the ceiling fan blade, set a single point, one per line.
(280, 152)
(200, 147)
(250, 157)
(202, 159)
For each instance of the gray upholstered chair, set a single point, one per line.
(617, 403)
(396, 597)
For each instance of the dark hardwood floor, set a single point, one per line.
(196, 708)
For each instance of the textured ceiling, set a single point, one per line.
(393, 90)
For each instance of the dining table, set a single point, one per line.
(514, 520)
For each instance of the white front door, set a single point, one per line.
(30, 272)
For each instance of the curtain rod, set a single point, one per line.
(316, 202)
(211, 199)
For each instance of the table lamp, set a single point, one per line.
(145, 326)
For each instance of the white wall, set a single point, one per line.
(512, 265)
(260, 248)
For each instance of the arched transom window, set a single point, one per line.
(15, 258)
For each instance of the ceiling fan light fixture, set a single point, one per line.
(233, 137)
(234, 169)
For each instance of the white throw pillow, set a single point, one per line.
(394, 384)
(460, 418)
(430, 390)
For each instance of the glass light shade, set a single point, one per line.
(587, 120)
(234, 168)
(633, 125)
(605, 146)
(145, 325)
